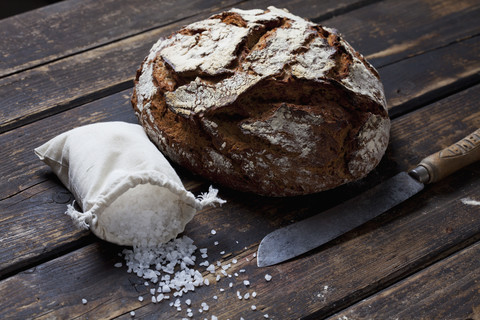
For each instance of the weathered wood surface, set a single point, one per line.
(75, 26)
(427, 54)
(417, 233)
(91, 74)
(98, 72)
(442, 291)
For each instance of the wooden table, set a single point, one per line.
(72, 63)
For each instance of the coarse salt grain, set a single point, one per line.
(213, 231)
(118, 265)
(84, 301)
(268, 277)
(254, 307)
(140, 298)
(211, 268)
(246, 282)
(132, 313)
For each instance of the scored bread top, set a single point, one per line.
(263, 95)
(210, 48)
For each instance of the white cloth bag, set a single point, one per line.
(129, 192)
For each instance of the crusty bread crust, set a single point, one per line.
(265, 102)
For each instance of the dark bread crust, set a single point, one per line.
(282, 134)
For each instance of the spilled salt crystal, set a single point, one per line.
(84, 301)
(213, 231)
(118, 265)
(246, 282)
(211, 268)
(140, 298)
(132, 313)
(470, 202)
(254, 307)
(268, 277)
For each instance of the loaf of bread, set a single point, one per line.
(263, 101)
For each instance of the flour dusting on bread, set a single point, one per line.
(263, 101)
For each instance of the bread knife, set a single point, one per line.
(298, 238)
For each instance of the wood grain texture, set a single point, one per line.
(70, 27)
(390, 31)
(23, 168)
(446, 290)
(432, 75)
(89, 75)
(421, 78)
(399, 243)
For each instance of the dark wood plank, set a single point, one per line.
(427, 77)
(81, 78)
(73, 26)
(20, 168)
(403, 241)
(407, 84)
(393, 30)
(447, 290)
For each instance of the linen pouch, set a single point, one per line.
(129, 192)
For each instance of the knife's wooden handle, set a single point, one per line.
(458, 155)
